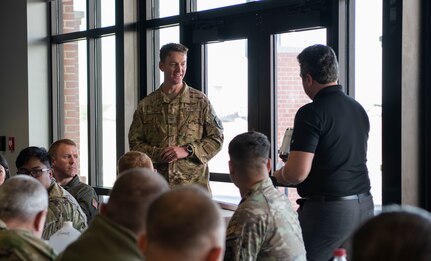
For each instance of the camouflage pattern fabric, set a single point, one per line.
(103, 240)
(85, 195)
(62, 207)
(264, 227)
(21, 245)
(189, 118)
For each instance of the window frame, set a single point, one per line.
(92, 35)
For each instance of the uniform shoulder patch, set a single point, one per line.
(218, 122)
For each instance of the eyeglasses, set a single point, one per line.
(35, 173)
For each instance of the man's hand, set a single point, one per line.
(174, 153)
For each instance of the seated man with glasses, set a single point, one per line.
(36, 162)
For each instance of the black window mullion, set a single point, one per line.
(93, 164)
(119, 69)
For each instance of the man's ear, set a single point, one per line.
(268, 165)
(53, 161)
(215, 254)
(142, 243)
(161, 67)
(231, 167)
(39, 222)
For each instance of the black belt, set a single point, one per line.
(334, 198)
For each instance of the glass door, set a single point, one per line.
(227, 72)
(289, 93)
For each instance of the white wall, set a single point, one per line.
(23, 67)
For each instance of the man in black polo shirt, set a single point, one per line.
(328, 157)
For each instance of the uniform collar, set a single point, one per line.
(257, 187)
(73, 182)
(181, 97)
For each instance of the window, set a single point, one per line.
(161, 37)
(74, 97)
(290, 95)
(210, 4)
(368, 82)
(227, 90)
(164, 8)
(88, 81)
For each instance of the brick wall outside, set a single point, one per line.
(290, 97)
(71, 22)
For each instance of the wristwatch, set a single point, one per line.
(189, 149)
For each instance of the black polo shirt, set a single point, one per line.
(335, 128)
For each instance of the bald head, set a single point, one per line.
(134, 159)
(131, 195)
(184, 221)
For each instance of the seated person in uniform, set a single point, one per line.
(23, 208)
(134, 159)
(184, 224)
(36, 162)
(64, 156)
(399, 233)
(117, 232)
(4, 169)
(264, 226)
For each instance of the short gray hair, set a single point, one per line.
(21, 198)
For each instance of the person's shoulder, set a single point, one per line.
(85, 187)
(280, 205)
(151, 98)
(252, 208)
(56, 191)
(81, 190)
(23, 243)
(59, 194)
(246, 219)
(306, 107)
(308, 110)
(196, 94)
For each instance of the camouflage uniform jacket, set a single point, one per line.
(264, 227)
(189, 118)
(62, 207)
(85, 195)
(103, 240)
(21, 245)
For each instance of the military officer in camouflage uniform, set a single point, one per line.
(23, 208)
(264, 226)
(36, 162)
(64, 156)
(176, 126)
